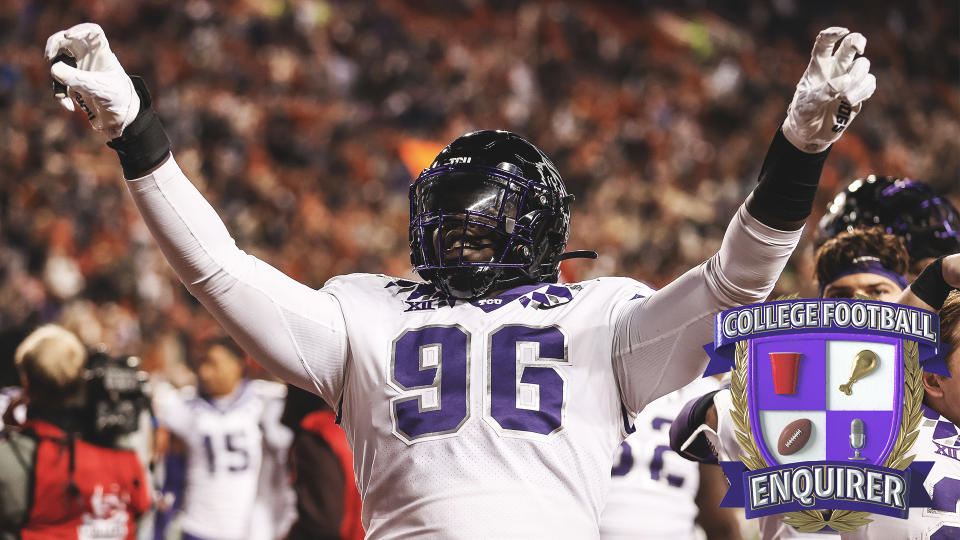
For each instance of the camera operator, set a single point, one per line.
(53, 483)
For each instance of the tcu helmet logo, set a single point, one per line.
(456, 160)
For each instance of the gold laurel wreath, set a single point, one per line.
(838, 520)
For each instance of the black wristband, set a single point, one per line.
(788, 182)
(930, 286)
(143, 144)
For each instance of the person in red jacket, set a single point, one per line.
(53, 484)
(328, 503)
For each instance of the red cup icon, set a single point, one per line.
(785, 368)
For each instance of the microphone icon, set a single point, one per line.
(857, 438)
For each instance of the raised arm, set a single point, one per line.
(930, 289)
(295, 332)
(657, 345)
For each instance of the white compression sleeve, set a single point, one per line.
(658, 341)
(295, 332)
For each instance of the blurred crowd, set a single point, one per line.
(304, 121)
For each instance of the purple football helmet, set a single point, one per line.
(928, 223)
(491, 193)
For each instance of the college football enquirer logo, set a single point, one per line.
(826, 404)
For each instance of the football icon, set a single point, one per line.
(794, 436)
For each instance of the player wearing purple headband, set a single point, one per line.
(868, 262)
(928, 223)
(863, 261)
(935, 289)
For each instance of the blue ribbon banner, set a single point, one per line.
(826, 485)
(792, 317)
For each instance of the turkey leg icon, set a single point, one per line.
(863, 365)
(785, 369)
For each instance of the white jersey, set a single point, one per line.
(497, 418)
(937, 442)
(224, 444)
(654, 489)
(508, 407)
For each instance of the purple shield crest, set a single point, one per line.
(841, 401)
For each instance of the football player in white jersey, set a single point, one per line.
(938, 441)
(224, 429)
(486, 401)
(656, 493)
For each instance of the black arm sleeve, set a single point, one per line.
(930, 285)
(787, 184)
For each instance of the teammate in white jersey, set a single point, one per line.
(487, 401)
(656, 493)
(224, 429)
(938, 441)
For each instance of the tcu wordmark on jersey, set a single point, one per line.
(470, 420)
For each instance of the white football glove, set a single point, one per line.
(99, 84)
(831, 91)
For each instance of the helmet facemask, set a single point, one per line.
(476, 227)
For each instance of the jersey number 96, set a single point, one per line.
(524, 394)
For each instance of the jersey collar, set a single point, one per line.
(942, 428)
(504, 298)
(227, 402)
